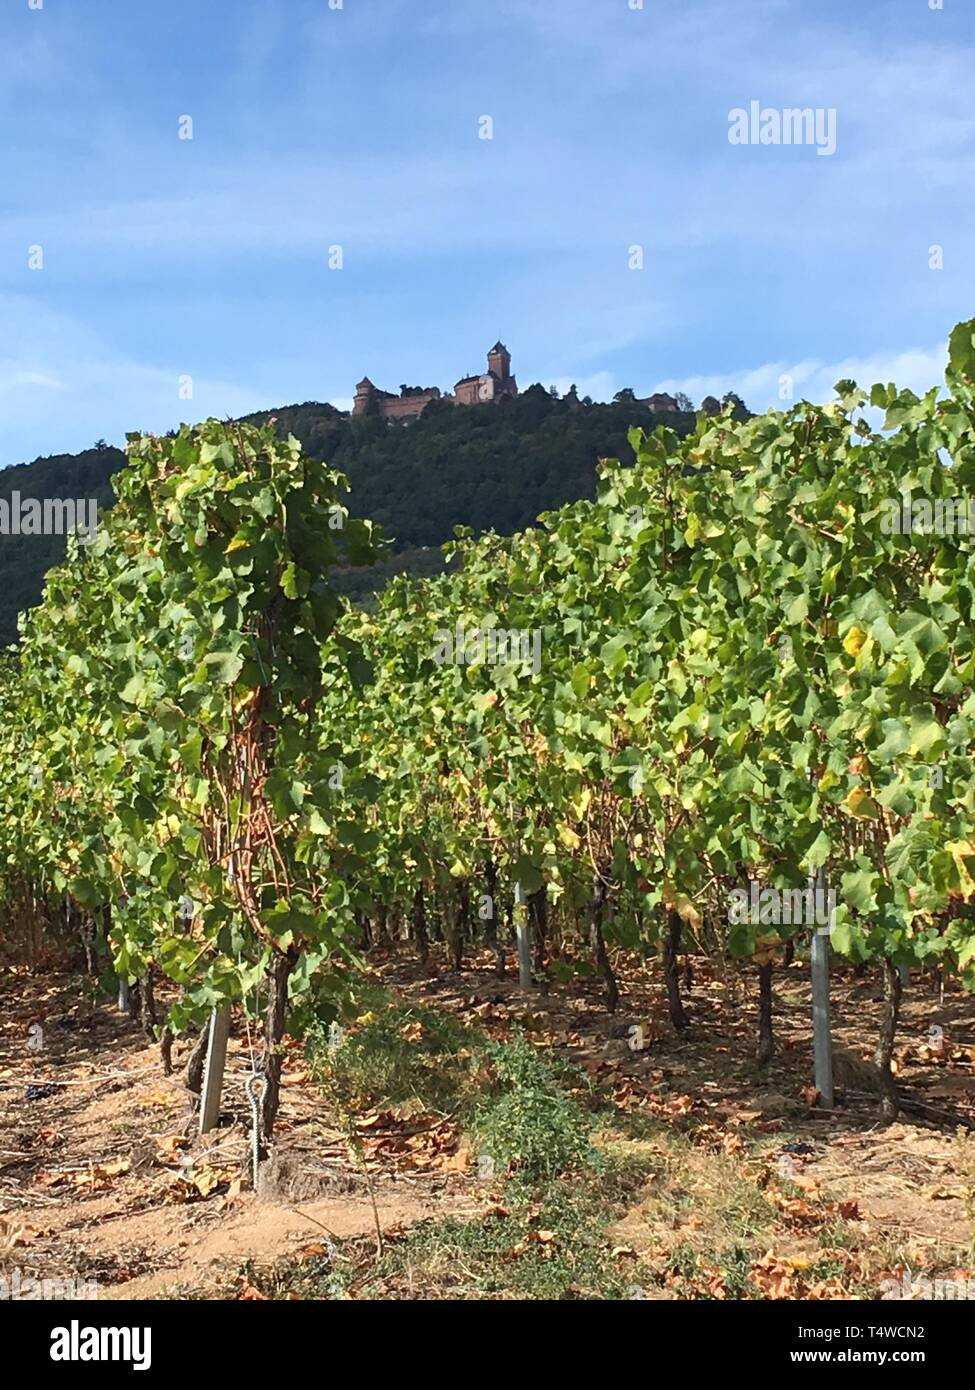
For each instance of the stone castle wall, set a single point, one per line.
(406, 407)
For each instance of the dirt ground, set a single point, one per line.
(104, 1176)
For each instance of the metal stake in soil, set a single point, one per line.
(215, 1063)
(524, 941)
(822, 1040)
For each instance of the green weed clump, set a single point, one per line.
(527, 1122)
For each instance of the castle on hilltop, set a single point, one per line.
(495, 384)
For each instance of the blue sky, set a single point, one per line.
(314, 127)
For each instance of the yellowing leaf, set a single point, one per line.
(854, 640)
(963, 853)
(683, 906)
(859, 804)
(569, 837)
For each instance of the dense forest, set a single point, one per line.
(487, 467)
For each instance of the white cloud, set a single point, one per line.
(813, 380)
(14, 377)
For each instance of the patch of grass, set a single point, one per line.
(555, 1247)
(641, 1127)
(626, 1164)
(838, 1235)
(513, 1098)
(707, 1216)
(290, 1277)
(394, 1054)
(745, 1209)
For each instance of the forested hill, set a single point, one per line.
(493, 466)
(24, 560)
(489, 467)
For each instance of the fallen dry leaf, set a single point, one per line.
(167, 1145)
(458, 1162)
(774, 1277)
(230, 1196)
(99, 1175)
(113, 1168)
(202, 1181)
(795, 1209)
(546, 1239)
(163, 1098)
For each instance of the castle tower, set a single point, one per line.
(499, 361)
(363, 394)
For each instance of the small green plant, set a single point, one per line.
(735, 1264)
(827, 1268)
(529, 1124)
(684, 1260)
